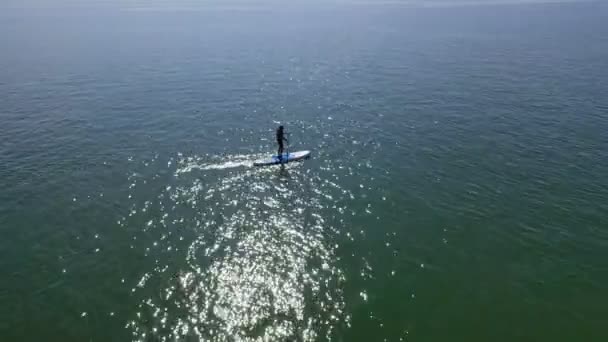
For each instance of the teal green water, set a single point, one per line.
(457, 189)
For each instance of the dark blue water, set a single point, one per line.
(457, 189)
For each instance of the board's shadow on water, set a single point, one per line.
(283, 173)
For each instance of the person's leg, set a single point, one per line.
(280, 150)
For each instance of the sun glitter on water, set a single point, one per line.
(238, 254)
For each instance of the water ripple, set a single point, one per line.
(258, 266)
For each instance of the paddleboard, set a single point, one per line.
(286, 158)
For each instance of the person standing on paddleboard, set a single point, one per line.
(280, 139)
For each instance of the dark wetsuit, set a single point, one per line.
(280, 139)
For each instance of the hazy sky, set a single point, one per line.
(185, 4)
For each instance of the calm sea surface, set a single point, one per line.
(457, 191)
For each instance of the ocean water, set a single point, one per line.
(457, 188)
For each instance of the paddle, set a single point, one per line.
(287, 145)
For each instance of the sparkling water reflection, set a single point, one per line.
(257, 266)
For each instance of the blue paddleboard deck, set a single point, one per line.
(285, 158)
